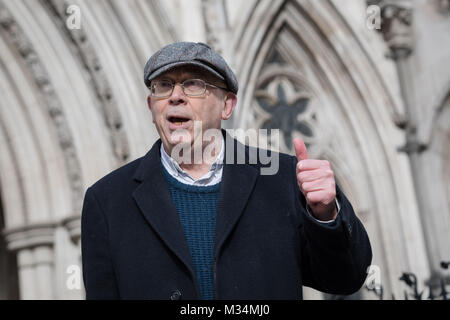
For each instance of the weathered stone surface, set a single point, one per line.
(375, 104)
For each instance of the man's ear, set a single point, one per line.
(230, 104)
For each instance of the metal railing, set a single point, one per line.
(435, 290)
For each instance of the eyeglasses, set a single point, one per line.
(191, 87)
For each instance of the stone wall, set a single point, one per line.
(373, 102)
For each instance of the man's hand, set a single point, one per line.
(316, 181)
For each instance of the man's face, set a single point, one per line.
(179, 111)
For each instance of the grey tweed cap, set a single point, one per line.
(189, 53)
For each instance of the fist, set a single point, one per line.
(316, 181)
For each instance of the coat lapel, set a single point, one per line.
(155, 201)
(238, 181)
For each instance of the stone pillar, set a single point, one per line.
(73, 226)
(397, 30)
(35, 259)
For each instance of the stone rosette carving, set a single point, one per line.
(282, 103)
(285, 109)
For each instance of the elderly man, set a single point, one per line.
(171, 225)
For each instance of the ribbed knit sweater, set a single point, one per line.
(196, 207)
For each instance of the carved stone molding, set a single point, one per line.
(98, 78)
(396, 21)
(34, 246)
(165, 21)
(20, 40)
(413, 145)
(216, 24)
(73, 225)
(30, 236)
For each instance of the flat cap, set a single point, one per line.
(189, 53)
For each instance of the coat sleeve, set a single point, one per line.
(98, 272)
(334, 257)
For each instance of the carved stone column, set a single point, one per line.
(397, 30)
(35, 260)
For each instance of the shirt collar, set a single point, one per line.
(175, 170)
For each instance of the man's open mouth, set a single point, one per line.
(178, 121)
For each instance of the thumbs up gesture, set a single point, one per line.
(316, 181)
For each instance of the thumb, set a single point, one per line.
(300, 149)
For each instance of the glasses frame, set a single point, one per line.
(183, 88)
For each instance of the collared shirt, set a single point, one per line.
(212, 177)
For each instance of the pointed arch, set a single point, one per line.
(356, 116)
(63, 82)
(67, 112)
(32, 131)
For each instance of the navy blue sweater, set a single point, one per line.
(196, 207)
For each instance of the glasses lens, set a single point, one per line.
(162, 88)
(194, 87)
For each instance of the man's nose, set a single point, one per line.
(177, 96)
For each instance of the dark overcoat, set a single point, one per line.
(266, 245)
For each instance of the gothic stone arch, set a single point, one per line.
(67, 112)
(304, 71)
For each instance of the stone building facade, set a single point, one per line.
(373, 101)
